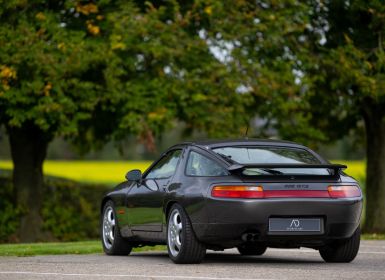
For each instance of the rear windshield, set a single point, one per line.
(271, 155)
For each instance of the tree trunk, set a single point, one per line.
(28, 148)
(375, 170)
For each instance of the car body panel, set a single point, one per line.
(221, 222)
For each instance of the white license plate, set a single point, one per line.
(295, 225)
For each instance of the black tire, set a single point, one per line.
(342, 251)
(190, 250)
(251, 249)
(119, 246)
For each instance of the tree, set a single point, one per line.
(342, 80)
(352, 68)
(92, 72)
(50, 56)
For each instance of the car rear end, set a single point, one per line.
(280, 217)
(287, 205)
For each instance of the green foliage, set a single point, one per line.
(342, 70)
(9, 214)
(49, 65)
(342, 87)
(70, 210)
(96, 71)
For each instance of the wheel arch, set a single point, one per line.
(104, 201)
(167, 208)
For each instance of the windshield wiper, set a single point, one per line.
(272, 171)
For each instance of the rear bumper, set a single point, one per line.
(228, 220)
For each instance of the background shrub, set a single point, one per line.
(70, 210)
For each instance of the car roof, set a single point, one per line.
(242, 142)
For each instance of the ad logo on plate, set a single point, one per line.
(295, 225)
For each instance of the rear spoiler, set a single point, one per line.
(238, 167)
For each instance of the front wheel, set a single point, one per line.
(113, 242)
(342, 251)
(182, 244)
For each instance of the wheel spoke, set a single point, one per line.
(179, 226)
(178, 242)
(175, 219)
(111, 236)
(110, 216)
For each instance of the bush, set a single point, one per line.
(70, 209)
(9, 214)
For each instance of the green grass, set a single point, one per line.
(373, 236)
(31, 249)
(57, 248)
(100, 172)
(356, 168)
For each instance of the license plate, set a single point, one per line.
(294, 225)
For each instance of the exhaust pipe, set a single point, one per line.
(250, 237)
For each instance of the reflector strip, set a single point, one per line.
(296, 193)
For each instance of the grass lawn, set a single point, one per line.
(89, 247)
(356, 168)
(61, 248)
(113, 172)
(100, 172)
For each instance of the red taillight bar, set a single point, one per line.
(346, 191)
(237, 191)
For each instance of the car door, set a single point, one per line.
(145, 201)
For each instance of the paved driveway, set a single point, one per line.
(275, 264)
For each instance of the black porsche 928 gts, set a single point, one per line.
(248, 194)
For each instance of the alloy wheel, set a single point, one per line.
(108, 227)
(174, 235)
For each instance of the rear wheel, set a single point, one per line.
(251, 249)
(182, 244)
(113, 242)
(342, 251)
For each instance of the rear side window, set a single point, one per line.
(200, 165)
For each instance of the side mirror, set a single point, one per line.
(134, 175)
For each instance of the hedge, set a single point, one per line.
(70, 210)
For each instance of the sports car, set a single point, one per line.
(245, 194)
